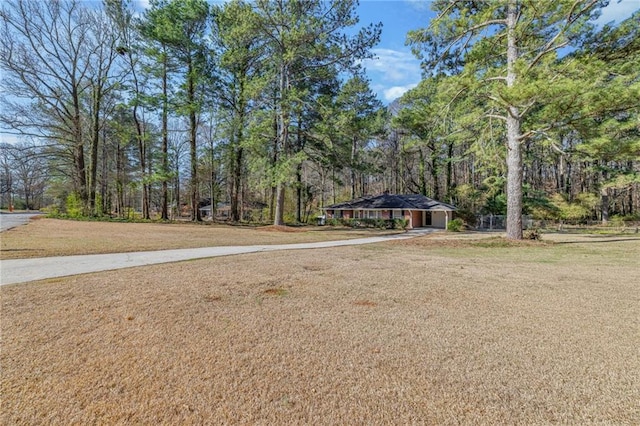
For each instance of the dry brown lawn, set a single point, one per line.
(54, 237)
(426, 331)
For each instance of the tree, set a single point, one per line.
(239, 53)
(181, 24)
(131, 50)
(102, 86)
(293, 29)
(506, 47)
(161, 66)
(24, 174)
(610, 123)
(47, 60)
(423, 117)
(359, 118)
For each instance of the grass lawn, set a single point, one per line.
(45, 237)
(433, 330)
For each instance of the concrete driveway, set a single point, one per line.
(23, 270)
(11, 220)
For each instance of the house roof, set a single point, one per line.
(392, 201)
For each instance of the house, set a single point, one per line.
(250, 211)
(418, 210)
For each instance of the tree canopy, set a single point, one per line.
(261, 111)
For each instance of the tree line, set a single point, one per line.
(524, 107)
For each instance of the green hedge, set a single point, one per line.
(370, 223)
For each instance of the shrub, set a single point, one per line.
(73, 206)
(400, 224)
(532, 234)
(51, 211)
(455, 225)
(332, 221)
(467, 215)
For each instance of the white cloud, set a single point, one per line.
(393, 65)
(392, 72)
(395, 92)
(618, 11)
(420, 5)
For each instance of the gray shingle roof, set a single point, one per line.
(391, 201)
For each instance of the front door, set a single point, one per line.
(427, 218)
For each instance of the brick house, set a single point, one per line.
(418, 210)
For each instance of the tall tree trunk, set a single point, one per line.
(299, 193)
(449, 182)
(236, 185)
(283, 137)
(300, 147)
(193, 129)
(604, 197)
(238, 162)
(354, 153)
(142, 154)
(435, 172)
(120, 180)
(514, 146)
(104, 176)
(279, 205)
(164, 214)
(177, 191)
(95, 138)
(422, 178)
(80, 175)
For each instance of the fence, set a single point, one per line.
(493, 221)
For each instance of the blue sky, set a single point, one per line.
(396, 69)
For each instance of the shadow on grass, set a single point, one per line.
(617, 240)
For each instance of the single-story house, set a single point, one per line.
(250, 211)
(418, 210)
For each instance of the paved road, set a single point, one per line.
(24, 270)
(11, 220)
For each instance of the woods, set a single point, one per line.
(524, 108)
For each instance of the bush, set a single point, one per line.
(532, 234)
(332, 221)
(400, 224)
(369, 223)
(467, 215)
(51, 211)
(73, 206)
(455, 225)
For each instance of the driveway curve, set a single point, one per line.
(15, 271)
(12, 220)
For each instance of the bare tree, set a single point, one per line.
(24, 173)
(46, 59)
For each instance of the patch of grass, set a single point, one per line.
(55, 237)
(432, 330)
(366, 303)
(276, 292)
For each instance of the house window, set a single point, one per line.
(373, 214)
